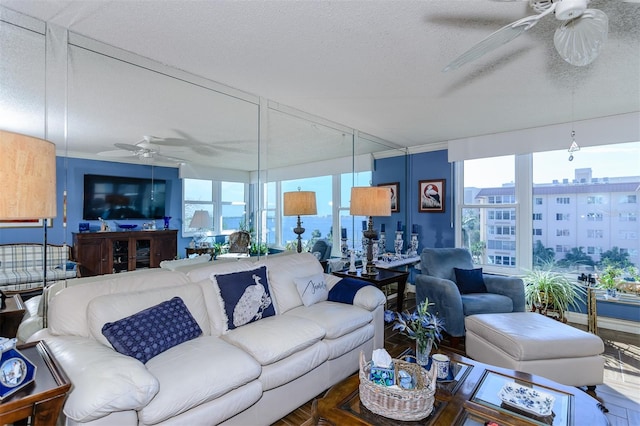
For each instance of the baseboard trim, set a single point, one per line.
(625, 326)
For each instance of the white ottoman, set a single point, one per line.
(535, 344)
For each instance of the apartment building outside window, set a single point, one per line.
(594, 197)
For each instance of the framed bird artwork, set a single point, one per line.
(431, 196)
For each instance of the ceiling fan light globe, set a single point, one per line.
(579, 41)
(570, 9)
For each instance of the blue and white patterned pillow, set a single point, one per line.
(246, 296)
(152, 331)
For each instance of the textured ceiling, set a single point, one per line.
(374, 65)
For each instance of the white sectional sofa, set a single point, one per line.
(252, 374)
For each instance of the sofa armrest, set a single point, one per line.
(446, 300)
(512, 287)
(369, 298)
(104, 381)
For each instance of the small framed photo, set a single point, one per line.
(395, 195)
(431, 197)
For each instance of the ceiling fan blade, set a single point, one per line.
(127, 146)
(503, 36)
(119, 153)
(167, 159)
(168, 141)
(580, 40)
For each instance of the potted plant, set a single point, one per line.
(548, 291)
(421, 325)
(609, 280)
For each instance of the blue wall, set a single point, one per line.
(434, 229)
(70, 174)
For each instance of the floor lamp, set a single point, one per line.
(299, 203)
(370, 201)
(28, 176)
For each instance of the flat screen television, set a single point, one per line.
(117, 197)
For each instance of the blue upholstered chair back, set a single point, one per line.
(441, 262)
(323, 247)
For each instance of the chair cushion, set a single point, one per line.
(153, 330)
(486, 303)
(470, 281)
(245, 295)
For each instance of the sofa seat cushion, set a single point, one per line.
(33, 276)
(337, 319)
(196, 372)
(274, 338)
(485, 303)
(345, 344)
(294, 366)
(531, 336)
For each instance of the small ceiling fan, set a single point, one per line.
(144, 150)
(578, 40)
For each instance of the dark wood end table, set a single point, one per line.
(11, 316)
(382, 278)
(43, 399)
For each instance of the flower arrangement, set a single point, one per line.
(420, 325)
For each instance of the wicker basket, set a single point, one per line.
(397, 403)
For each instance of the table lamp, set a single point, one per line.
(299, 203)
(202, 222)
(370, 201)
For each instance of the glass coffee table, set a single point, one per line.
(471, 398)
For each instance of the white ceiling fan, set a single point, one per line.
(143, 150)
(578, 40)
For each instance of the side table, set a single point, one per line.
(382, 278)
(11, 316)
(43, 399)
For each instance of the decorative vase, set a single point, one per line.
(423, 350)
(612, 293)
(166, 221)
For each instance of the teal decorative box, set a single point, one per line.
(382, 376)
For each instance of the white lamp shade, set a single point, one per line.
(298, 203)
(200, 219)
(28, 171)
(370, 201)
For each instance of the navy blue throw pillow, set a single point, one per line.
(246, 296)
(152, 331)
(470, 281)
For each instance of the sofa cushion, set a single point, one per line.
(275, 338)
(470, 280)
(68, 308)
(312, 289)
(196, 372)
(153, 330)
(113, 307)
(337, 319)
(283, 270)
(245, 296)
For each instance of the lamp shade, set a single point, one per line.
(28, 170)
(200, 219)
(298, 203)
(370, 201)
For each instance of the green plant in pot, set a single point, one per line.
(548, 291)
(609, 279)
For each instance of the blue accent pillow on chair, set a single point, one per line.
(470, 281)
(245, 296)
(152, 331)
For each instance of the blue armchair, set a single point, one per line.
(437, 282)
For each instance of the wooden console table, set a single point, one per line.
(42, 400)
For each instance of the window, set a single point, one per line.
(233, 217)
(595, 198)
(318, 226)
(198, 195)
